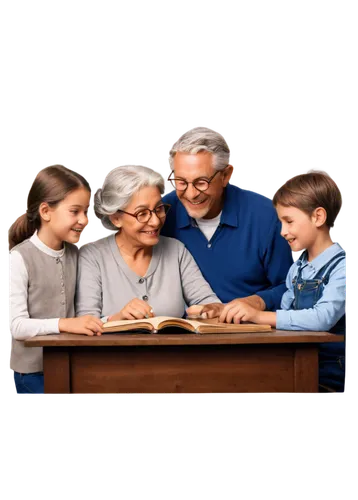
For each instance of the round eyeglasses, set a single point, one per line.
(145, 215)
(200, 184)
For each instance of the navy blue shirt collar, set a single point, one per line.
(229, 216)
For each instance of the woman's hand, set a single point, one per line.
(135, 309)
(87, 325)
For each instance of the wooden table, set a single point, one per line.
(278, 361)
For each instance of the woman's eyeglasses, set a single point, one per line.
(145, 215)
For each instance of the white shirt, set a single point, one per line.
(21, 325)
(208, 226)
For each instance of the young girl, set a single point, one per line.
(307, 207)
(43, 262)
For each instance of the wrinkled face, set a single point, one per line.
(298, 228)
(69, 217)
(189, 167)
(140, 234)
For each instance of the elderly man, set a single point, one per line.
(233, 234)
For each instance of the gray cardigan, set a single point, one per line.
(50, 294)
(105, 283)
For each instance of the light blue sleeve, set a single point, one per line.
(325, 313)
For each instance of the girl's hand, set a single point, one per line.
(87, 325)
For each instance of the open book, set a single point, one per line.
(154, 325)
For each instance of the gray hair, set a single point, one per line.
(118, 188)
(202, 139)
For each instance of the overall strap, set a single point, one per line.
(326, 270)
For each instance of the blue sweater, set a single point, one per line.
(246, 255)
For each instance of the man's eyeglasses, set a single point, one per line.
(200, 184)
(145, 215)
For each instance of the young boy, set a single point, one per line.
(307, 206)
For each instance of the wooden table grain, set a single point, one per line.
(277, 361)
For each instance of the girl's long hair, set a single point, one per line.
(50, 185)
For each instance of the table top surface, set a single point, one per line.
(133, 339)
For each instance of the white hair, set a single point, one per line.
(202, 139)
(118, 188)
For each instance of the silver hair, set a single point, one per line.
(118, 188)
(202, 139)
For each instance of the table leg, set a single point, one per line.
(57, 370)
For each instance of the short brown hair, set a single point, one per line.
(310, 191)
(52, 185)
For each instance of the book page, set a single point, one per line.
(197, 324)
(213, 326)
(155, 322)
(176, 322)
(128, 322)
(200, 326)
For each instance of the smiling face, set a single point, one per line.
(189, 167)
(65, 221)
(140, 234)
(299, 229)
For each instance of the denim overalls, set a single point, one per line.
(331, 355)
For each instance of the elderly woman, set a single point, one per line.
(135, 272)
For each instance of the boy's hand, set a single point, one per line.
(87, 325)
(237, 311)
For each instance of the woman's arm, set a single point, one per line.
(89, 283)
(196, 289)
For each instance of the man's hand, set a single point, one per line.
(252, 300)
(206, 311)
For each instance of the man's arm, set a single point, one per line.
(277, 262)
(252, 300)
(196, 289)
